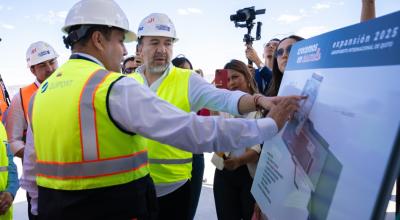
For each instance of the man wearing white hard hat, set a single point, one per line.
(90, 163)
(170, 167)
(41, 59)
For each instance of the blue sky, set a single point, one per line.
(206, 35)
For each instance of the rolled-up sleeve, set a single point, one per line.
(136, 109)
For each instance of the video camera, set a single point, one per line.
(247, 16)
(244, 18)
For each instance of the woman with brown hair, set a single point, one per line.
(232, 184)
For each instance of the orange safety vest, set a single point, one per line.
(26, 94)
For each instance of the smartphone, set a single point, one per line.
(221, 78)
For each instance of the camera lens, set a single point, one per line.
(240, 16)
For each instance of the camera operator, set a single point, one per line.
(263, 73)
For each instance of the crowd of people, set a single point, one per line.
(98, 144)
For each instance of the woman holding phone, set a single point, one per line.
(232, 184)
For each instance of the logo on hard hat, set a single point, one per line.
(161, 27)
(141, 28)
(150, 20)
(43, 53)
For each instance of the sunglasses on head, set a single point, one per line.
(280, 51)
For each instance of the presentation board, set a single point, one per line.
(338, 157)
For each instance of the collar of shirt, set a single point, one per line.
(141, 69)
(37, 83)
(92, 58)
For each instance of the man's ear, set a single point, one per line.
(98, 39)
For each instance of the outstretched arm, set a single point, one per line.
(367, 10)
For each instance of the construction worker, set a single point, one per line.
(8, 177)
(170, 167)
(90, 163)
(41, 59)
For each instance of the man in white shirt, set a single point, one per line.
(171, 169)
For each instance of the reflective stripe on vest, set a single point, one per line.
(87, 116)
(26, 94)
(91, 165)
(93, 168)
(30, 109)
(170, 161)
(2, 169)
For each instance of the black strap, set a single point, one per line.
(80, 57)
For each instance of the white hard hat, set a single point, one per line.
(98, 12)
(157, 24)
(39, 52)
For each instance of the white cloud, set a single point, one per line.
(182, 11)
(9, 8)
(195, 10)
(62, 14)
(341, 3)
(7, 26)
(187, 11)
(289, 18)
(311, 31)
(52, 17)
(320, 6)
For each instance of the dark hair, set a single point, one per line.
(130, 58)
(180, 60)
(277, 75)
(273, 39)
(74, 40)
(242, 68)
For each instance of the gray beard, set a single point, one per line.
(158, 69)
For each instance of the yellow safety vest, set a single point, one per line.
(169, 164)
(4, 169)
(78, 146)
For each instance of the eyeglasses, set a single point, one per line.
(129, 70)
(281, 51)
